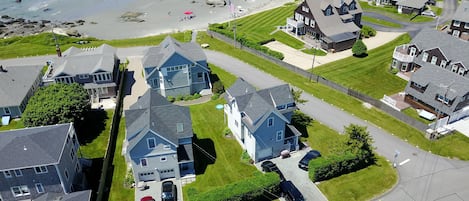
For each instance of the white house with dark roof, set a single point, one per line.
(17, 85)
(45, 161)
(335, 23)
(460, 24)
(440, 79)
(260, 120)
(158, 143)
(411, 6)
(97, 69)
(174, 68)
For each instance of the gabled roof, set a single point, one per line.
(74, 196)
(157, 56)
(331, 25)
(16, 82)
(462, 13)
(152, 112)
(412, 3)
(258, 106)
(85, 61)
(36, 146)
(453, 48)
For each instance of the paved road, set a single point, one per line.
(424, 177)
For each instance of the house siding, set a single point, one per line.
(463, 31)
(266, 138)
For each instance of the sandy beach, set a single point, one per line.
(166, 16)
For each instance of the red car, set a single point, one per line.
(147, 198)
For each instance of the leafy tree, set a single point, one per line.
(359, 48)
(367, 31)
(57, 103)
(360, 142)
(218, 87)
(297, 96)
(300, 119)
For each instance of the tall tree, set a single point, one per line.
(57, 103)
(359, 141)
(297, 96)
(359, 48)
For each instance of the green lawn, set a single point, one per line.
(96, 148)
(369, 75)
(43, 43)
(313, 52)
(411, 112)
(14, 124)
(391, 11)
(118, 192)
(349, 104)
(380, 22)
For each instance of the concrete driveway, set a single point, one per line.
(135, 85)
(299, 177)
(154, 190)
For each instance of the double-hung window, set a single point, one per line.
(151, 143)
(18, 191)
(39, 188)
(40, 169)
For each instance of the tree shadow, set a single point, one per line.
(93, 123)
(214, 77)
(93, 175)
(204, 154)
(361, 55)
(128, 82)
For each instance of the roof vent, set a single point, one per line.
(179, 127)
(24, 148)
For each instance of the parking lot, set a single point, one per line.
(299, 177)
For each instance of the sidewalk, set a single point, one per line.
(305, 61)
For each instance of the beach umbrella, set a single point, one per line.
(188, 12)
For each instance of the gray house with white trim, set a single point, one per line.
(158, 143)
(17, 85)
(460, 24)
(411, 6)
(39, 160)
(174, 68)
(97, 69)
(260, 120)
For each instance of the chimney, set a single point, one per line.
(57, 49)
(2, 69)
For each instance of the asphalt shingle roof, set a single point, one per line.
(462, 13)
(412, 3)
(34, 146)
(153, 112)
(16, 82)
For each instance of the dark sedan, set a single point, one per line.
(303, 164)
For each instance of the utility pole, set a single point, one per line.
(312, 65)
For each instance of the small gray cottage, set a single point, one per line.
(44, 164)
(260, 120)
(97, 69)
(18, 84)
(175, 68)
(158, 142)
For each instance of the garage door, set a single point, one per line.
(264, 153)
(168, 173)
(147, 176)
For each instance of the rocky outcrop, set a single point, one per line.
(10, 26)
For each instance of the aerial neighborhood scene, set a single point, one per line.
(214, 100)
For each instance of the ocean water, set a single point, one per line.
(58, 10)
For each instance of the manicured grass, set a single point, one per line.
(14, 124)
(226, 78)
(312, 52)
(411, 112)
(207, 123)
(364, 184)
(97, 147)
(380, 22)
(118, 192)
(391, 11)
(43, 43)
(437, 10)
(349, 104)
(369, 75)
(284, 38)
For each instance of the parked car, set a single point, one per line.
(303, 164)
(290, 192)
(428, 13)
(168, 191)
(147, 198)
(269, 166)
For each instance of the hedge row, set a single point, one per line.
(254, 188)
(220, 28)
(325, 168)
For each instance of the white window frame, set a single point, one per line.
(148, 143)
(328, 12)
(83, 76)
(454, 68)
(42, 169)
(443, 63)
(166, 146)
(443, 99)
(163, 159)
(279, 135)
(142, 163)
(456, 33)
(307, 21)
(457, 23)
(270, 122)
(21, 190)
(313, 23)
(412, 52)
(461, 71)
(18, 173)
(434, 60)
(66, 174)
(6, 110)
(72, 154)
(425, 56)
(466, 25)
(7, 174)
(39, 188)
(352, 6)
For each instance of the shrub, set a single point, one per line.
(171, 99)
(218, 87)
(129, 179)
(394, 70)
(367, 31)
(196, 96)
(325, 168)
(226, 131)
(215, 96)
(359, 48)
(179, 98)
(254, 188)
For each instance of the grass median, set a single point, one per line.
(381, 22)
(353, 106)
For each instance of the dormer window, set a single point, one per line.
(443, 63)
(456, 23)
(412, 51)
(328, 11)
(454, 68)
(434, 59)
(443, 99)
(305, 9)
(352, 6)
(461, 71)
(270, 122)
(466, 25)
(344, 8)
(425, 56)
